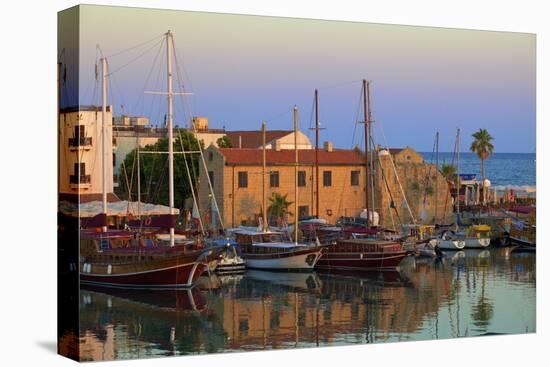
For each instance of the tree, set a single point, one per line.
(154, 171)
(482, 147)
(278, 206)
(224, 142)
(448, 171)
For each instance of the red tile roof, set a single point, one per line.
(253, 138)
(235, 156)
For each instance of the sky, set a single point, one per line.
(245, 69)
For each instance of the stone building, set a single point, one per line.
(236, 175)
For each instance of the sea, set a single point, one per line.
(467, 293)
(505, 170)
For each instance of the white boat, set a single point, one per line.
(268, 250)
(229, 261)
(428, 249)
(476, 236)
(473, 242)
(447, 241)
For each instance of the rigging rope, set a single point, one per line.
(397, 176)
(179, 79)
(136, 58)
(136, 46)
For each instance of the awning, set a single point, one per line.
(118, 209)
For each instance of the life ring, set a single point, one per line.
(130, 217)
(147, 221)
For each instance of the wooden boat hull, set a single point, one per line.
(303, 259)
(357, 255)
(354, 262)
(174, 276)
(521, 242)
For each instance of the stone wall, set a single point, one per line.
(418, 180)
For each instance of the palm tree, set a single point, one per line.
(278, 206)
(448, 171)
(483, 147)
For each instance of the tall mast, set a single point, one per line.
(59, 68)
(170, 132)
(436, 171)
(104, 135)
(367, 169)
(371, 151)
(138, 178)
(264, 203)
(458, 172)
(295, 174)
(316, 153)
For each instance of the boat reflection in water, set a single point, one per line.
(474, 293)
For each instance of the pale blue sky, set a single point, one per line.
(243, 69)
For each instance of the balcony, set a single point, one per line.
(79, 143)
(82, 181)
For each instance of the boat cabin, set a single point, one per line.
(253, 237)
(253, 242)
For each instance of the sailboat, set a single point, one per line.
(446, 238)
(136, 259)
(269, 250)
(368, 251)
(475, 236)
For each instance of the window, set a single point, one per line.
(303, 211)
(210, 156)
(80, 169)
(211, 175)
(243, 179)
(354, 178)
(274, 179)
(114, 160)
(301, 178)
(79, 131)
(327, 178)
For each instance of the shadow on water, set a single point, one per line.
(469, 293)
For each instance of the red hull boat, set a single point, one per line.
(183, 275)
(362, 254)
(125, 259)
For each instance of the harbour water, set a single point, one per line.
(468, 293)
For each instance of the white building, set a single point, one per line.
(80, 171)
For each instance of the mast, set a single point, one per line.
(104, 136)
(436, 171)
(367, 169)
(295, 174)
(138, 178)
(264, 204)
(371, 151)
(169, 41)
(316, 153)
(59, 68)
(458, 172)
